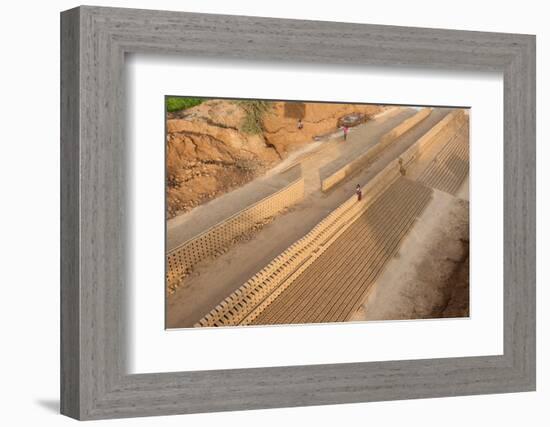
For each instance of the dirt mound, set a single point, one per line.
(209, 154)
(457, 303)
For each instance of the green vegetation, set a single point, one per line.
(177, 103)
(255, 110)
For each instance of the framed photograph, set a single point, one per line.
(262, 213)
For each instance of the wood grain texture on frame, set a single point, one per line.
(94, 234)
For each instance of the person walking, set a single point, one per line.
(300, 124)
(358, 192)
(402, 169)
(346, 130)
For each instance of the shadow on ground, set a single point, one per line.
(51, 405)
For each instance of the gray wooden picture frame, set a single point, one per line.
(94, 381)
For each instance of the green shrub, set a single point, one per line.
(177, 103)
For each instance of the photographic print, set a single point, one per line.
(284, 212)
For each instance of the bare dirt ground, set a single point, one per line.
(214, 279)
(429, 277)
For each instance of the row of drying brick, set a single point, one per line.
(373, 153)
(181, 260)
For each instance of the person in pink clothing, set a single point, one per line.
(346, 130)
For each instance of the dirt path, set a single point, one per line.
(212, 280)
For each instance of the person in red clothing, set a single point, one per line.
(346, 130)
(358, 192)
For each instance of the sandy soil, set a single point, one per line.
(429, 277)
(464, 190)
